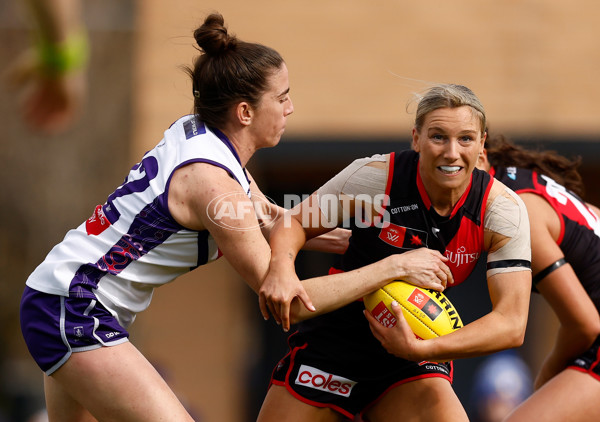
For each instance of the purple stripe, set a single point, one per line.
(149, 229)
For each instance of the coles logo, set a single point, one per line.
(319, 380)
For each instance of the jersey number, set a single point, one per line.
(563, 196)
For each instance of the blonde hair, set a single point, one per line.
(452, 96)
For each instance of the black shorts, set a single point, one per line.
(345, 368)
(589, 362)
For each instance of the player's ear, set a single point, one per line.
(244, 113)
(482, 161)
(415, 140)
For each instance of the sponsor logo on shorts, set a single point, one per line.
(436, 367)
(315, 378)
(111, 334)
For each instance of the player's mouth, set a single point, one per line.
(450, 169)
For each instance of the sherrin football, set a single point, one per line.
(429, 313)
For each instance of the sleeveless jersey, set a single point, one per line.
(579, 238)
(413, 223)
(132, 244)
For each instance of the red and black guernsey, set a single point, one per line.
(340, 342)
(414, 223)
(580, 227)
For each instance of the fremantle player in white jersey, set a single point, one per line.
(187, 202)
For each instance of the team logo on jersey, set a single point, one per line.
(97, 223)
(403, 237)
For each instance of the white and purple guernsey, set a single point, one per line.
(132, 244)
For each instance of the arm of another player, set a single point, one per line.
(268, 213)
(360, 185)
(577, 314)
(239, 237)
(422, 267)
(286, 238)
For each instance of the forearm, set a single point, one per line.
(489, 334)
(502, 328)
(286, 239)
(335, 241)
(336, 290)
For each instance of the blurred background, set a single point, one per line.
(354, 68)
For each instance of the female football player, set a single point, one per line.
(565, 249)
(431, 197)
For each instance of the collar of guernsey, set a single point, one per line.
(193, 127)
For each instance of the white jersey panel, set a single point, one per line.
(131, 244)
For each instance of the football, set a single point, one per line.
(429, 313)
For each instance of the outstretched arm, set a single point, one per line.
(239, 237)
(268, 213)
(423, 267)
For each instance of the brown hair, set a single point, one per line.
(448, 95)
(228, 71)
(502, 152)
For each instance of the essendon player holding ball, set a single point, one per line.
(430, 197)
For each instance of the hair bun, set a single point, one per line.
(212, 36)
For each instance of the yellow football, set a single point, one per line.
(429, 313)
